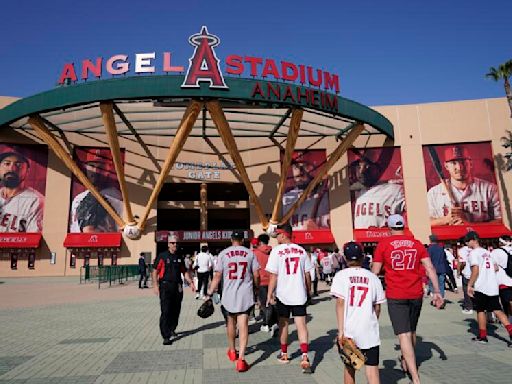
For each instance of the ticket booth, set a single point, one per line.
(92, 249)
(18, 247)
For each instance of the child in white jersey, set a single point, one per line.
(359, 295)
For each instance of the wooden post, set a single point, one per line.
(222, 125)
(44, 134)
(109, 122)
(187, 122)
(203, 207)
(333, 158)
(293, 133)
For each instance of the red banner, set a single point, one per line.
(20, 240)
(373, 235)
(485, 231)
(313, 237)
(93, 240)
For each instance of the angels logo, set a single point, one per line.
(204, 64)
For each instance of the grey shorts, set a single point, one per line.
(404, 314)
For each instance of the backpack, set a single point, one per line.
(508, 270)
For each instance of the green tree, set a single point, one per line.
(504, 71)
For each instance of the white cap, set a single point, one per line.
(396, 222)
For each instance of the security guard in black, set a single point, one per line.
(168, 267)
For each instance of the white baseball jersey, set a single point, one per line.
(361, 290)
(449, 257)
(464, 258)
(307, 209)
(327, 264)
(479, 201)
(22, 212)
(373, 206)
(500, 257)
(290, 262)
(237, 265)
(204, 262)
(487, 281)
(112, 195)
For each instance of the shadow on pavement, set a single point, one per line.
(321, 345)
(424, 351)
(491, 329)
(205, 327)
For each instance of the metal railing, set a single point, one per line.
(111, 274)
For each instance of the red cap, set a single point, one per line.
(457, 152)
(254, 241)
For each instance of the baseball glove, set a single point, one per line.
(90, 212)
(350, 354)
(206, 309)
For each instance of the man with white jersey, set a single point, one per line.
(289, 269)
(327, 268)
(464, 270)
(503, 257)
(483, 287)
(359, 295)
(476, 200)
(375, 202)
(21, 207)
(237, 267)
(203, 264)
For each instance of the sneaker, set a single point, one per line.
(252, 321)
(467, 311)
(274, 330)
(305, 364)
(265, 328)
(456, 290)
(282, 357)
(232, 355)
(167, 342)
(481, 340)
(242, 366)
(197, 296)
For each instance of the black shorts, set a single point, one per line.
(506, 298)
(372, 356)
(226, 313)
(404, 314)
(284, 310)
(482, 302)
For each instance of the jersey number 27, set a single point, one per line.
(403, 259)
(237, 270)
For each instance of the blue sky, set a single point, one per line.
(386, 52)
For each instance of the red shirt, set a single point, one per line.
(262, 253)
(401, 255)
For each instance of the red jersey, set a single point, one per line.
(262, 253)
(400, 256)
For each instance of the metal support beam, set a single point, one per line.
(187, 122)
(333, 158)
(107, 114)
(225, 133)
(280, 122)
(45, 134)
(293, 133)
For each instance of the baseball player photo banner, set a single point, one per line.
(376, 186)
(314, 213)
(87, 214)
(22, 187)
(461, 184)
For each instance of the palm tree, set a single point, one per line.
(504, 71)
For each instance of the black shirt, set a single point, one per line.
(169, 266)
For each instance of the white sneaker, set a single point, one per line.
(467, 311)
(197, 296)
(265, 328)
(252, 321)
(274, 329)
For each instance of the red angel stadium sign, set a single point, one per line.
(205, 67)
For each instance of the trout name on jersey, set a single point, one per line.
(237, 252)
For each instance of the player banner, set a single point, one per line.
(461, 184)
(22, 187)
(376, 187)
(314, 213)
(86, 214)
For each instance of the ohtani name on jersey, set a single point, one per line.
(402, 244)
(237, 252)
(290, 251)
(13, 223)
(373, 209)
(358, 280)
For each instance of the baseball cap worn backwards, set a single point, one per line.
(237, 235)
(396, 222)
(285, 229)
(456, 153)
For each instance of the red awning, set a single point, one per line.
(93, 240)
(20, 240)
(455, 232)
(373, 235)
(321, 236)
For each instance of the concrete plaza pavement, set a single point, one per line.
(57, 331)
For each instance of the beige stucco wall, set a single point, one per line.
(415, 125)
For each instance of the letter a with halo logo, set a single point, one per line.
(204, 64)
